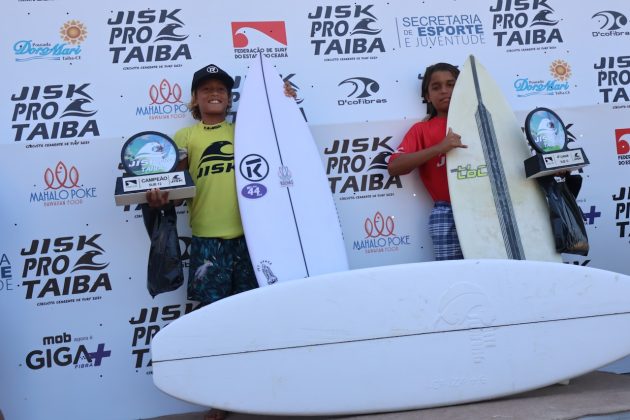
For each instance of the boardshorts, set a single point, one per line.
(219, 268)
(443, 233)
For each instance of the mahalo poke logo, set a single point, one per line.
(380, 236)
(165, 102)
(379, 226)
(61, 177)
(165, 93)
(62, 187)
(265, 37)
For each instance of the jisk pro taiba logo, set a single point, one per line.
(61, 187)
(151, 38)
(147, 323)
(345, 32)
(53, 112)
(65, 270)
(613, 79)
(357, 168)
(519, 24)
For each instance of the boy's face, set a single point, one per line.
(212, 97)
(440, 90)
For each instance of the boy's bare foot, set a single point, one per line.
(215, 414)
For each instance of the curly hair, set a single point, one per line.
(426, 79)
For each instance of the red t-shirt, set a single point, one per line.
(433, 172)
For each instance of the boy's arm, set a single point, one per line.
(407, 162)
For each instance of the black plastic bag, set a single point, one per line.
(567, 220)
(164, 270)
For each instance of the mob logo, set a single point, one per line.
(66, 354)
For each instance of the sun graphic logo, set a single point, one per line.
(73, 32)
(560, 70)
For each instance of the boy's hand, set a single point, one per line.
(289, 91)
(157, 198)
(451, 141)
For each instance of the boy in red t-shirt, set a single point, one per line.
(425, 146)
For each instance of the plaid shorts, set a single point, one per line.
(443, 233)
(219, 268)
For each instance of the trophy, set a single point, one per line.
(547, 135)
(150, 159)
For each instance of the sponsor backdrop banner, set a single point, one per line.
(77, 317)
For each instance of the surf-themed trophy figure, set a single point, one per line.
(551, 165)
(149, 159)
(547, 135)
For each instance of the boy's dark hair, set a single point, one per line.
(426, 79)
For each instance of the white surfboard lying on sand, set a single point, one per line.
(498, 212)
(286, 205)
(396, 338)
